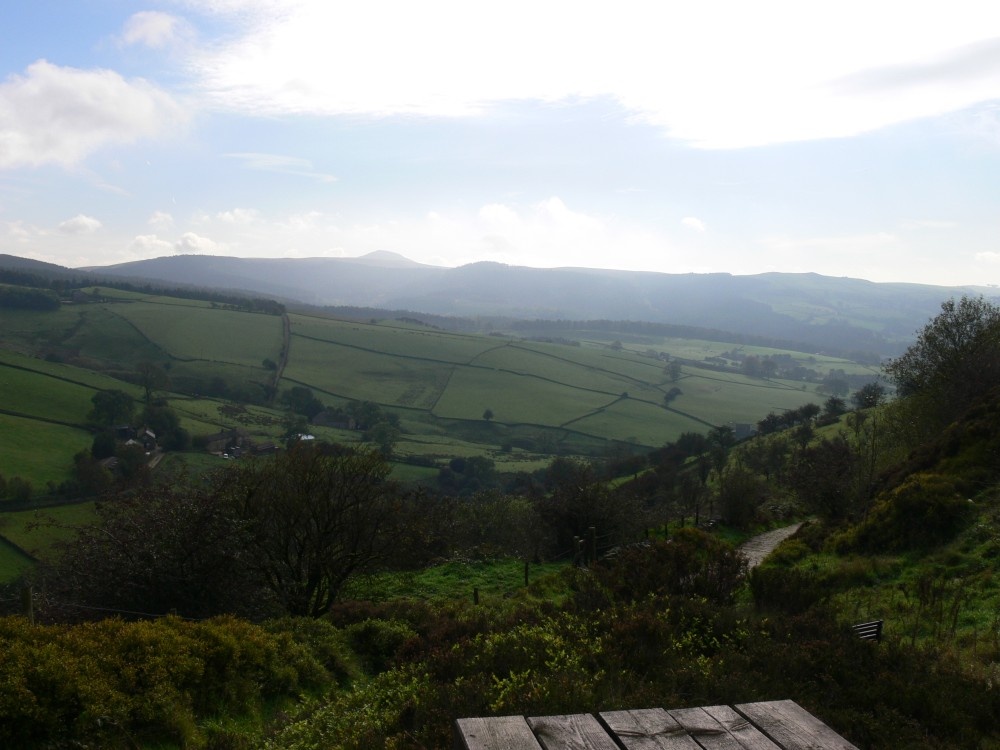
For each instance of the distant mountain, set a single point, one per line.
(839, 314)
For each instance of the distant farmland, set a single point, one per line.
(543, 397)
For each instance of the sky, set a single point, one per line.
(857, 139)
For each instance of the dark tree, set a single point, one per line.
(300, 400)
(112, 407)
(670, 395)
(103, 445)
(808, 412)
(152, 378)
(824, 476)
(740, 493)
(955, 360)
(488, 415)
(770, 423)
(869, 395)
(154, 552)
(314, 519)
(691, 443)
(366, 413)
(834, 406)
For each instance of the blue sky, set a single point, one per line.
(848, 139)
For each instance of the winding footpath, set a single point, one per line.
(759, 547)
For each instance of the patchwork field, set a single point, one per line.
(540, 397)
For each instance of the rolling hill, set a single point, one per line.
(831, 314)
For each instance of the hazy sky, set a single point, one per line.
(846, 138)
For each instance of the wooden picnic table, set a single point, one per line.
(769, 725)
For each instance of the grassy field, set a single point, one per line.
(38, 451)
(543, 396)
(13, 562)
(32, 534)
(36, 531)
(196, 332)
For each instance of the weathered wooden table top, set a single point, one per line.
(771, 725)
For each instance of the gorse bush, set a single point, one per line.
(113, 683)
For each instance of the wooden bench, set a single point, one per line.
(869, 631)
(770, 725)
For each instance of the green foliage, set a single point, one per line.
(111, 408)
(301, 400)
(25, 298)
(327, 644)
(788, 552)
(923, 511)
(740, 493)
(823, 477)
(791, 591)
(954, 362)
(314, 517)
(378, 642)
(690, 563)
(111, 683)
(154, 551)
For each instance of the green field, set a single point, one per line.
(32, 534)
(38, 451)
(543, 396)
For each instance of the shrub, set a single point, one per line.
(788, 552)
(792, 591)
(378, 642)
(690, 563)
(111, 683)
(924, 511)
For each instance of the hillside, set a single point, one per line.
(574, 397)
(833, 314)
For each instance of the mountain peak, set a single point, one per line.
(385, 259)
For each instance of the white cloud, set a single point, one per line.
(150, 246)
(718, 74)
(58, 115)
(191, 243)
(692, 222)
(155, 29)
(80, 224)
(988, 257)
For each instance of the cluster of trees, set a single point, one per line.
(15, 488)
(284, 535)
(27, 298)
(954, 363)
(261, 538)
(56, 280)
(378, 427)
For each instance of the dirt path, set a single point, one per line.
(759, 547)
